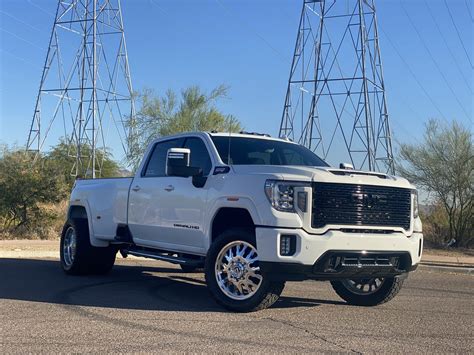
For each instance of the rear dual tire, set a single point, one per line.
(78, 256)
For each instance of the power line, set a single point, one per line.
(448, 47)
(21, 38)
(457, 32)
(433, 102)
(158, 6)
(40, 8)
(469, 10)
(20, 21)
(19, 58)
(433, 60)
(230, 13)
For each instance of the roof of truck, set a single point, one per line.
(253, 135)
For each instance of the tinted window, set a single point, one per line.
(157, 163)
(199, 154)
(253, 151)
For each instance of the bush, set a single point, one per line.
(26, 186)
(34, 190)
(47, 227)
(443, 165)
(435, 226)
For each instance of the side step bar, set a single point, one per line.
(151, 254)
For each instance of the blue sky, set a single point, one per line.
(248, 44)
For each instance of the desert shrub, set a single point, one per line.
(442, 164)
(435, 226)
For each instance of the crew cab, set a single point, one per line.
(252, 211)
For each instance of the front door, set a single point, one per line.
(166, 211)
(183, 207)
(146, 192)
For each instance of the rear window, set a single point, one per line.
(253, 151)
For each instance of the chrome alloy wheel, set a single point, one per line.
(237, 271)
(69, 246)
(364, 286)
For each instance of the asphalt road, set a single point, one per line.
(148, 306)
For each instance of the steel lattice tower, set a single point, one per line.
(336, 91)
(85, 90)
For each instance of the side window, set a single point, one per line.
(199, 154)
(156, 165)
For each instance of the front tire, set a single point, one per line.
(368, 292)
(233, 274)
(78, 256)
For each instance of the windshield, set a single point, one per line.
(251, 151)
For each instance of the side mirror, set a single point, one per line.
(177, 163)
(346, 166)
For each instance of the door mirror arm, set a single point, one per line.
(199, 180)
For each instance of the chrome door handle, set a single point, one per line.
(169, 188)
(136, 188)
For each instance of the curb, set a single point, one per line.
(459, 264)
(447, 269)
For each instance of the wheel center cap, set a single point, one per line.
(237, 270)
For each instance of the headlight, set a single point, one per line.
(415, 204)
(281, 194)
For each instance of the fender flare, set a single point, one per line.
(223, 202)
(93, 240)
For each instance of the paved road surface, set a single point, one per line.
(148, 306)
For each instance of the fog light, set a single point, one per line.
(287, 244)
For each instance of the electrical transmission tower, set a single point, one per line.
(335, 103)
(85, 94)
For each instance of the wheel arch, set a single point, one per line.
(76, 211)
(231, 217)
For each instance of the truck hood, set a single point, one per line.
(323, 174)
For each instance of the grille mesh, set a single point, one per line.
(360, 205)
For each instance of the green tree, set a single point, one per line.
(443, 165)
(161, 116)
(62, 157)
(25, 186)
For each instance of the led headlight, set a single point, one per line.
(281, 194)
(415, 203)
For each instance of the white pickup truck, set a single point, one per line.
(254, 212)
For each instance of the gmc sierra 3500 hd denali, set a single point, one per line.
(254, 211)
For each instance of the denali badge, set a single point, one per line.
(179, 225)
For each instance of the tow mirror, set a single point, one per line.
(177, 163)
(346, 166)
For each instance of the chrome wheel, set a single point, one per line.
(237, 271)
(364, 286)
(69, 246)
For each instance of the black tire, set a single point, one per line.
(266, 295)
(87, 258)
(389, 289)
